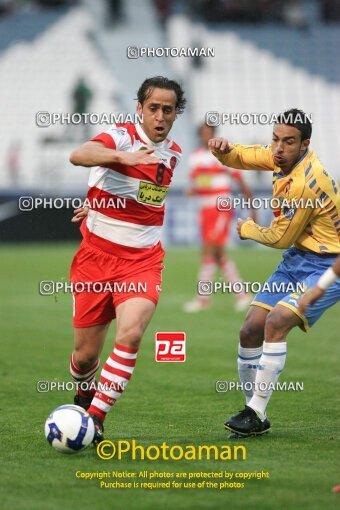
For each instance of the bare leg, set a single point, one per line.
(252, 330)
(88, 344)
(206, 274)
(133, 317)
(231, 274)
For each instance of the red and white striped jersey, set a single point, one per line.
(209, 177)
(131, 231)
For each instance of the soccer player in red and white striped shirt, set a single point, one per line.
(209, 180)
(121, 245)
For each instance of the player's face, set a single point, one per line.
(205, 134)
(287, 147)
(159, 113)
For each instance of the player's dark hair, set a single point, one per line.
(204, 124)
(160, 82)
(298, 119)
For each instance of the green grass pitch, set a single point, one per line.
(176, 403)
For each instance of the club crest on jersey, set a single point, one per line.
(173, 161)
(289, 212)
(151, 194)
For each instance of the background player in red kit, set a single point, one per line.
(134, 162)
(210, 180)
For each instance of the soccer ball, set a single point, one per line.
(69, 429)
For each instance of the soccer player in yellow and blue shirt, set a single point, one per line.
(307, 226)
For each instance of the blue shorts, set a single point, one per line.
(297, 269)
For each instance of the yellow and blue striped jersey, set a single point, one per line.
(311, 221)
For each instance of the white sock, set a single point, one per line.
(270, 366)
(247, 362)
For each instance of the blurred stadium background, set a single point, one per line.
(64, 56)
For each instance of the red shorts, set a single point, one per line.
(215, 226)
(125, 279)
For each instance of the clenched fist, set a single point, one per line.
(220, 146)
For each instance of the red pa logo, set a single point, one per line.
(170, 347)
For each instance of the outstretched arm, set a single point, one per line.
(96, 154)
(243, 157)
